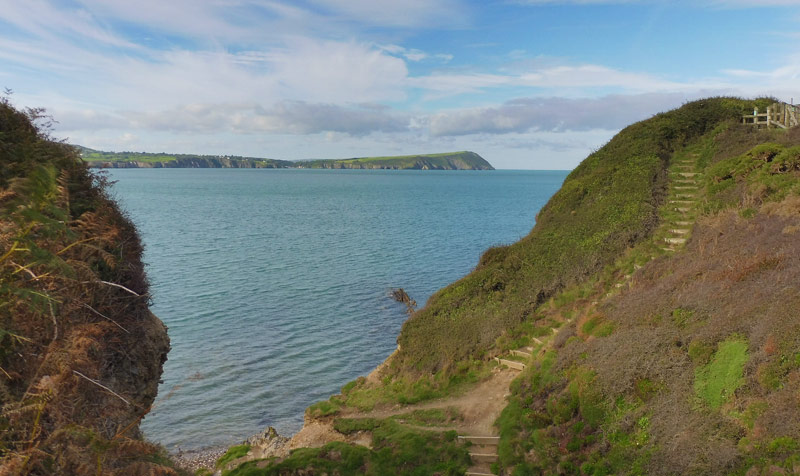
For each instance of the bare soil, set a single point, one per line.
(479, 407)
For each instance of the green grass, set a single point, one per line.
(767, 172)
(716, 382)
(234, 452)
(358, 394)
(396, 449)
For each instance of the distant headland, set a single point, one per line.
(463, 160)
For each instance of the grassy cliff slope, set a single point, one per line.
(80, 352)
(607, 204)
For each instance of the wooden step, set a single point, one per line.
(675, 241)
(520, 353)
(480, 440)
(682, 202)
(473, 473)
(683, 209)
(683, 223)
(534, 339)
(686, 187)
(688, 174)
(684, 195)
(483, 457)
(679, 231)
(512, 364)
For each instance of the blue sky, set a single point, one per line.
(528, 84)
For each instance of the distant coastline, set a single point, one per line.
(462, 160)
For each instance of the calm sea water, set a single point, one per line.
(275, 283)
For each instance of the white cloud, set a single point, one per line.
(414, 54)
(287, 117)
(553, 114)
(441, 14)
(560, 77)
(697, 3)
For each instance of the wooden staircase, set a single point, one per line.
(483, 451)
(683, 188)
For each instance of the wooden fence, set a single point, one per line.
(779, 114)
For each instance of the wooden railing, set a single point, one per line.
(779, 114)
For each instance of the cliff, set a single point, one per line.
(80, 353)
(650, 316)
(142, 160)
(447, 161)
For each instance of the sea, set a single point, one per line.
(276, 284)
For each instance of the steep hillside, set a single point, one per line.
(607, 204)
(80, 352)
(688, 362)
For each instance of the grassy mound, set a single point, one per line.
(396, 449)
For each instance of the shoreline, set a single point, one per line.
(198, 459)
(269, 440)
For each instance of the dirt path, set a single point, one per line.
(479, 407)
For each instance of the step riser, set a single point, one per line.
(511, 364)
(481, 440)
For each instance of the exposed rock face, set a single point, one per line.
(267, 444)
(400, 295)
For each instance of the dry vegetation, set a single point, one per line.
(80, 352)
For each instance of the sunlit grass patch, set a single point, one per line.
(716, 381)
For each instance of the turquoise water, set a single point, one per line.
(275, 283)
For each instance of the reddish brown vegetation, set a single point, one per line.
(81, 352)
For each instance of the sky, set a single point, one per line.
(527, 84)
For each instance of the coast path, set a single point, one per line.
(479, 406)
